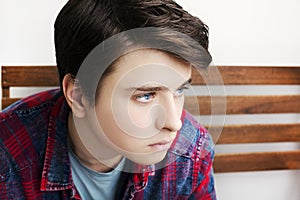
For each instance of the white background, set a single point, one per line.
(248, 32)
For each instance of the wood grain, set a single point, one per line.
(249, 75)
(26, 76)
(241, 162)
(255, 133)
(243, 104)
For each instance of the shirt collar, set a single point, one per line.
(139, 179)
(57, 170)
(184, 143)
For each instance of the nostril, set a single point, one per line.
(173, 125)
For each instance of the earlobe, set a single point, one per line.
(74, 96)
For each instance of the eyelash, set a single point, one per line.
(147, 97)
(151, 95)
(182, 91)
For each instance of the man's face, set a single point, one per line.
(140, 104)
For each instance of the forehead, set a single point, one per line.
(151, 62)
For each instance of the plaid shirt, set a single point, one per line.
(34, 160)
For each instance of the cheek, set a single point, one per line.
(120, 120)
(117, 137)
(132, 119)
(139, 115)
(180, 104)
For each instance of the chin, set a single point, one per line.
(148, 159)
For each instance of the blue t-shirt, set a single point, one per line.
(92, 184)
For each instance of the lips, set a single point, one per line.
(161, 146)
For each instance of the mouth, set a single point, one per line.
(161, 146)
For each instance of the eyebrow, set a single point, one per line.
(159, 88)
(188, 82)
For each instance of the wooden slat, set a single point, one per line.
(252, 75)
(7, 101)
(231, 134)
(35, 76)
(255, 133)
(5, 92)
(244, 104)
(257, 161)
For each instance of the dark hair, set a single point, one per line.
(82, 25)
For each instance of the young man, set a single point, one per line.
(116, 129)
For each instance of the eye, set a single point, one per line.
(145, 98)
(180, 91)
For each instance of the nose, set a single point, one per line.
(173, 109)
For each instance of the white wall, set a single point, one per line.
(253, 32)
(26, 35)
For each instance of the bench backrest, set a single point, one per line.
(260, 133)
(26, 76)
(36, 76)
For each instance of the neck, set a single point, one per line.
(83, 153)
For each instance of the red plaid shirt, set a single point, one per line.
(34, 160)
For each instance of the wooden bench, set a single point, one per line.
(36, 76)
(26, 76)
(245, 134)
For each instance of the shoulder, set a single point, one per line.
(27, 114)
(187, 165)
(194, 152)
(33, 105)
(189, 161)
(193, 140)
(23, 131)
(32, 102)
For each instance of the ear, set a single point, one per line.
(74, 96)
